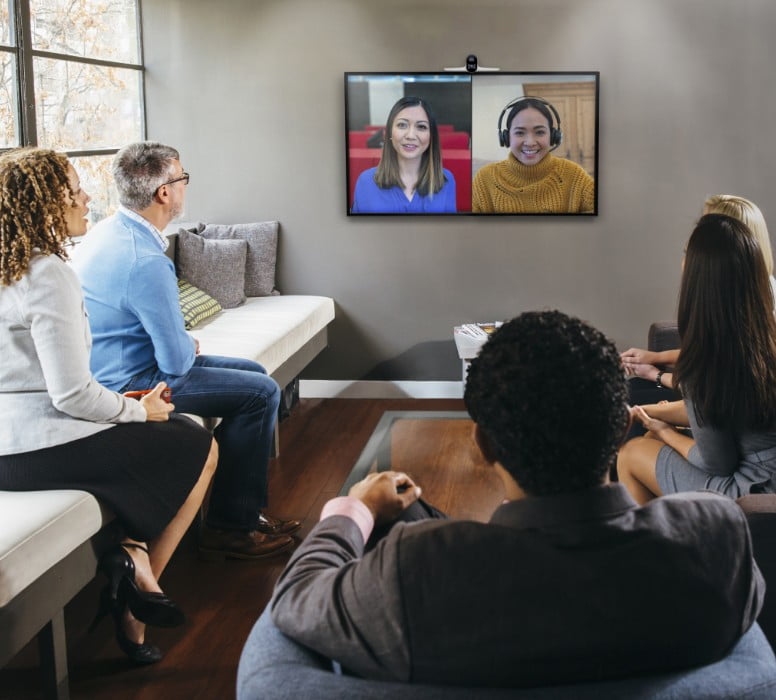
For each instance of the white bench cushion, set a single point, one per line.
(268, 330)
(40, 528)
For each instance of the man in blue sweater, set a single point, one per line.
(139, 339)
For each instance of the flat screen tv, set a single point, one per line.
(483, 144)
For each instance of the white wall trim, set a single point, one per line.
(355, 389)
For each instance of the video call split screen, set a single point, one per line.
(486, 144)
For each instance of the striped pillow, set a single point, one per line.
(196, 306)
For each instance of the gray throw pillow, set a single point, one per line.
(262, 238)
(215, 266)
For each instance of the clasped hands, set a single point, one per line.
(640, 363)
(157, 409)
(386, 494)
(654, 426)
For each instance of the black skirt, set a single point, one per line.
(143, 472)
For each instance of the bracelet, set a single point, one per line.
(658, 378)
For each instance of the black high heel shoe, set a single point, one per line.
(152, 608)
(143, 654)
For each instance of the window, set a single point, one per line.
(71, 79)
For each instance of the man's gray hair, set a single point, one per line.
(140, 169)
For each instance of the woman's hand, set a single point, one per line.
(636, 356)
(653, 425)
(640, 363)
(157, 409)
(643, 371)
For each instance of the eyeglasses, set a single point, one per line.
(185, 177)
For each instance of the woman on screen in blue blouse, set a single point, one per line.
(409, 179)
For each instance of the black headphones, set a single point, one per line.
(556, 135)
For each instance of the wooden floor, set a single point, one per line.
(320, 442)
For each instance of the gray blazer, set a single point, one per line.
(552, 590)
(47, 393)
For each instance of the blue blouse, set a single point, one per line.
(371, 199)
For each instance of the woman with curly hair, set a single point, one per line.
(726, 372)
(60, 429)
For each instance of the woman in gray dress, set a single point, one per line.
(726, 372)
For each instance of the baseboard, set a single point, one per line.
(355, 389)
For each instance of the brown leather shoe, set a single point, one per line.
(270, 525)
(217, 545)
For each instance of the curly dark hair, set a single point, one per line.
(33, 189)
(549, 394)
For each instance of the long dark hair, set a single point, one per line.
(431, 177)
(727, 364)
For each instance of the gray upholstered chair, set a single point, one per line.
(760, 511)
(273, 667)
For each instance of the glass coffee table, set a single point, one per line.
(437, 450)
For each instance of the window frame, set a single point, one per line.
(21, 31)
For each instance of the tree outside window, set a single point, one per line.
(71, 79)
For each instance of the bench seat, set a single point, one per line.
(270, 330)
(49, 546)
(50, 541)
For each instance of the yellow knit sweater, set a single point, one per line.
(552, 186)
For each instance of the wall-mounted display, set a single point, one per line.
(484, 144)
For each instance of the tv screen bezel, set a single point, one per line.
(426, 76)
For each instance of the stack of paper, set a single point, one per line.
(470, 337)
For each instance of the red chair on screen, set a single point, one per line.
(357, 139)
(360, 159)
(453, 139)
(459, 163)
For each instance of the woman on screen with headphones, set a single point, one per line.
(532, 180)
(409, 179)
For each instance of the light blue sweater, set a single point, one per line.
(131, 294)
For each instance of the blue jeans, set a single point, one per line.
(240, 392)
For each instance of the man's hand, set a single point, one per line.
(196, 345)
(386, 494)
(157, 409)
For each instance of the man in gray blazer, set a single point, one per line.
(569, 581)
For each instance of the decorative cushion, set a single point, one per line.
(195, 304)
(215, 266)
(262, 238)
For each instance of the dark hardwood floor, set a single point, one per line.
(320, 442)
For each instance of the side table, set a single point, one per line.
(469, 339)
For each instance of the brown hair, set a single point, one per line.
(431, 177)
(33, 184)
(727, 363)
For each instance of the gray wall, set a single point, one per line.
(251, 91)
